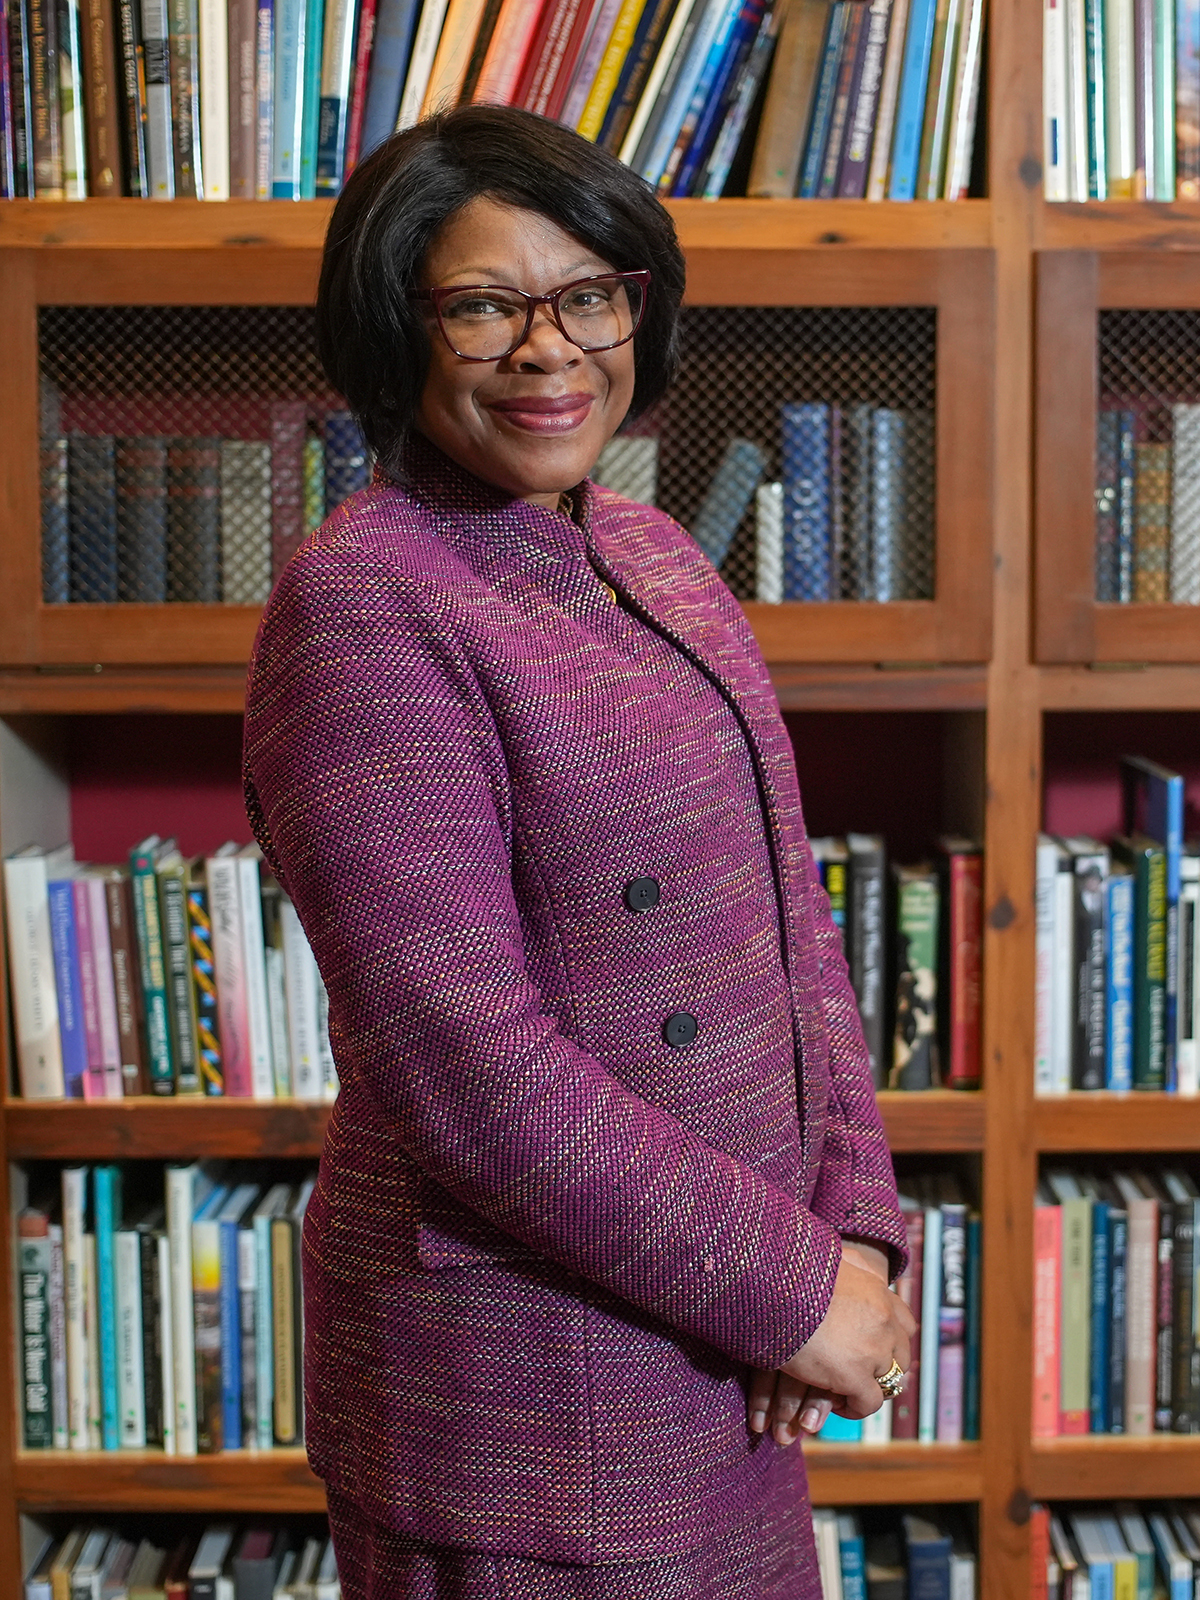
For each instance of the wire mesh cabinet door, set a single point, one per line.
(1117, 502)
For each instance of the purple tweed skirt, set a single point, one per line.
(769, 1555)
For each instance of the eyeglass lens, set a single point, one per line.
(488, 324)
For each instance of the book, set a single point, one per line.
(46, 124)
(965, 105)
(643, 51)
(170, 871)
(608, 71)
(277, 1000)
(1187, 100)
(1074, 1336)
(453, 55)
(33, 1295)
(960, 962)
(1097, 121)
(1089, 865)
(1187, 1035)
(727, 499)
(807, 565)
(186, 1188)
(416, 81)
(1047, 1313)
(1147, 860)
(288, 419)
(214, 98)
(92, 513)
(860, 122)
(341, 18)
(118, 899)
(347, 464)
(865, 929)
(56, 524)
(141, 481)
(828, 1547)
(74, 1215)
(64, 943)
(952, 1318)
(1153, 804)
(31, 972)
(768, 543)
(206, 1302)
(229, 965)
(745, 92)
(931, 1300)
(313, 61)
(130, 1343)
(852, 1556)
(914, 1061)
(273, 1204)
(1118, 1034)
(910, 1288)
(1141, 1301)
(242, 45)
(889, 93)
(159, 134)
(155, 1280)
(641, 124)
(823, 99)
(143, 863)
(1107, 489)
(910, 103)
(209, 1058)
(709, 113)
(1185, 1352)
(20, 78)
(1077, 99)
(262, 1066)
(1152, 522)
(107, 1194)
(245, 521)
(1184, 547)
(194, 519)
(849, 73)
(103, 1080)
(928, 1549)
(287, 112)
(237, 1205)
(71, 93)
(395, 29)
(931, 172)
(183, 45)
(246, 1253)
(302, 981)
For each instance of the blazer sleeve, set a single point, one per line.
(856, 1188)
(376, 785)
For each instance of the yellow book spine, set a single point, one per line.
(605, 83)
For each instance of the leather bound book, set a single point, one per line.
(288, 418)
(142, 520)
(91, 466)
(56, 544)
(194, 519)
(118, 897)
(245, 521)
(100, 99)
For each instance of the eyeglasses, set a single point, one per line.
(486, 322)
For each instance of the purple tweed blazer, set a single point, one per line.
(550, 1230)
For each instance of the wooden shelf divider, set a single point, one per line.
(1108, 1467)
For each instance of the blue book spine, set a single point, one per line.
(854, 1567)
(712, 23)
(231, 1339)
(64, 942)
(347, 465)
(107, 1200)
(807, 563)
(822, 111)
(264, 1350)
(716, 101)
(288, 109)
(92, 518)
(887, 501)
(929, 1569)
(1126, 506)
(1096, 103)
(1118, 1257)
(264, 80)
(728, 498)
(1101, 1326)
(1101, 1574)
(310, 90)
(841, 1430)
(707, 89)
(910, 107)
(395, 25)
(645, 22)
(1119, 962)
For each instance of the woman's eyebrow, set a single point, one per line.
(495, 274)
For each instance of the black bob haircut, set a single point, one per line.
(373, 339)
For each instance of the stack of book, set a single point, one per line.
(160, 1309)
(258, 1562)
(1121, 99)
(164, 976)
(913, 941)
(1120, 1549)
(941, 1287)
(152, 519)
(1148, 504)
(1115, 1342)
(213, 99)
(877, 1555)
(1118, 948)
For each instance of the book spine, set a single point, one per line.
(20, 74)
(264, 1322)
(972, 1376)
(310, 111)
(204, 987)
(160, 140)
(56, 521)
(231, 1337)
(694, 152)
(1107, 447)
(1151, 539)
(264, 97)
(910, 106)
(106, 1181)
(1187, 1043)
(141, 471)
(1075, 1378)
(1119, 1326)
(1097, 119)
(65, 943)
(152, 974)
(46, 144)
(340, 18)
(1119, 97)
(8, 187)
(118, 895)
(849, 72)
(931, 171)
(245, 504)
(607, 75)
(100, 96)
(152, 1355)
(1141, 1317)
(1076, 80)
(806, 544)
(283, 1332)
(106, 995)
(1090, 985)
(247, 1284)
(866, 925)
(74, 1206)
(31, 976)
(131, 67)
(194, 516)
(1064, 993)
(852, 178)
(1126, 505)
(952, 1326)
(768, 537)
(301, 984)
(92, 512)
(95, 1405)
(177, 962)
(564, 63)
(909, 1287)
(131, 1386)
(966, 104)
(277, 1017)
(230, 969)
(1100, 1324)
(165, 1289)
(1184, 555)
(1187, 100)
(1164, 100)
(642, 122)
(59, 1406)
(824, 95)
(1149, 971)
(889, 95)
(1164, 1327)
(288, 420)
(206, 1301)
(262, 1067)
(1184, 1417)
(184, 50)
(1119, 1031)
(931, 1300)
(181, 1188)
(243, 98)
(914, 1063)
(214, 97)
(714, 177)
(364, 49)
(395, 24)
(886, 501)
(964, 969)
(655, 19)
(588, 64)
(420, 63)
(288, 108)
(95, 1086)
(33, 1246)
(1047, 1318)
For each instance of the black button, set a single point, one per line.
(641, 894)
(680, 1029)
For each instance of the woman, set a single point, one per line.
(605, 1214)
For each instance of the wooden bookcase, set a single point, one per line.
(1012, 639)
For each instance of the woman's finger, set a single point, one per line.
(759, 1398)
(818, 1403)
(789, 1396)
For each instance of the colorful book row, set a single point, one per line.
(161, 1310)
(167, 976)
(1115, 1552)
(941, 1287)
(220, 1562)
(913, 938)
(1115, 1341)
(1118, 948)
(874, 1555)
(154, 519)
(1148, 506)
(1121, 99)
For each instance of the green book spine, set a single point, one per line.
(152, 970)
(181, 1010)
(974, 1316)
(914, 1042)
(314, 39)
(1149, 864)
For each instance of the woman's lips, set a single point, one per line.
(552, 415)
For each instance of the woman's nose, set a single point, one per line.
(546, 347)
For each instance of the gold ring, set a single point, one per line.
(892, 1381)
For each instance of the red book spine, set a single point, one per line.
(549, 20)
(1047, 1311)
(906, 1405)
(1039, 1552)
(358, 97)
(966, 949)
(562, 22)
(560, 83)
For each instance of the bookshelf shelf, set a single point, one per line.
(137, 1480)
(1101, 1121)
(1120, 225)
(1101, 1466)
(891, 1473)
(156, 1130)
(1120, 686)
(897, 686)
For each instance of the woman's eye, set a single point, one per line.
(585, 300)
(477, 306)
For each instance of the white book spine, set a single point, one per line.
(166, 1343)
(429, 32)
(1187, 1046)
(962, 1576)
(1185, 506)
(31, 970)
(229, 970)
(1043, 1025)
(889, 91)
(965, 103)
(300, 970)
(91, 1287)
(877, 1428)
(214, 98)
(329, 1077)
(1064, 986)
(768, 531)
(281, 1055)
(337, 49)
(931, 1301)
(74, 1199)
(59, 1405)
(262, 1068)
(1077, 110)
(181, 1189)
(1054, 100)
(131, 1380)
(106, 991)
(1119, 97)
(159, 152)
(264, 1392)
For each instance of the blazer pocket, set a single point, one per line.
(452, 1235)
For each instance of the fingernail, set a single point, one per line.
(810, 1419)
(758, 1421)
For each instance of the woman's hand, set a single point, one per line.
(786, 1406)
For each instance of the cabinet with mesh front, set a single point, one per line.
(1118, 457)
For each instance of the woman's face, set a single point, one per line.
(535, 422)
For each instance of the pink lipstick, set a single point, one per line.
(550, 414)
